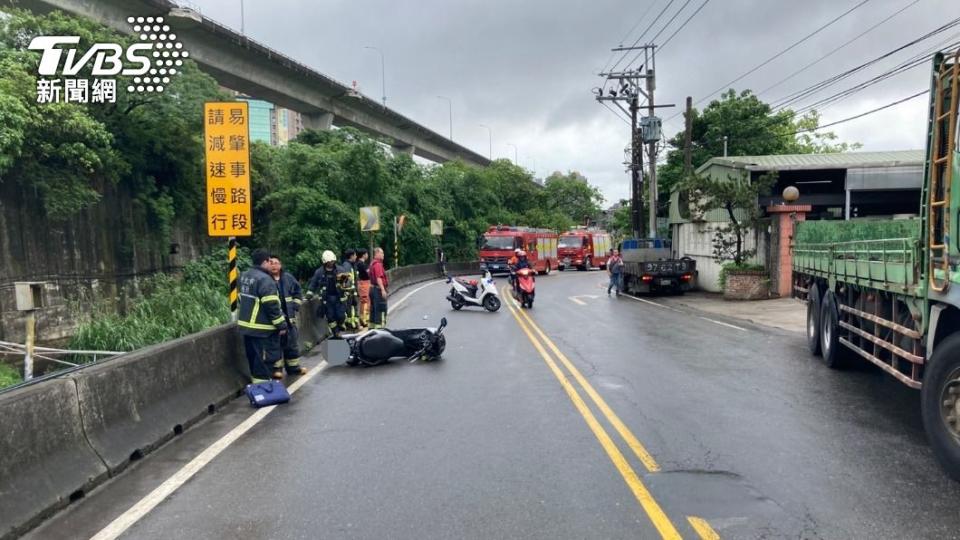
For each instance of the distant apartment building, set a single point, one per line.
(270, 123)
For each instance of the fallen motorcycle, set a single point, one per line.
(375, 347)
(482, 292)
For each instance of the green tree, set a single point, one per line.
(752, 128)
(737, 197)
(571, 197)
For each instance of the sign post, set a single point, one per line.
(370, 222)
(436, 230)
(226, 137)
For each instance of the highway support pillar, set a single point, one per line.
(322, 121)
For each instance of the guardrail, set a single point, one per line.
(64, 434)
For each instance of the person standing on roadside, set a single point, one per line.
(260, 320)
(378, 290)
(291, 297)
(615, 269)
(363, 285)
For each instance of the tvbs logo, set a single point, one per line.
(152, 61)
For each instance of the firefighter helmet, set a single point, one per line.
(521, 253)
(328, 257)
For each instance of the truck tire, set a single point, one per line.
(813, 320)
(835, 354)
(940, 404)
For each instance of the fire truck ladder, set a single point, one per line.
(947, 90)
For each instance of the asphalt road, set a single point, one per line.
(585, 417)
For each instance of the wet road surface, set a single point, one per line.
(585, 417)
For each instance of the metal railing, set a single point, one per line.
(879, 263)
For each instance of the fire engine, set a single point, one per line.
(584, 248)
(500, 241)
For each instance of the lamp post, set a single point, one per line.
(383, 74)
(514, 152)
(490, 135)
(450, 105)
(242, 21)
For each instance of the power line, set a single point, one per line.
(617, 114)
(627, 53)
(831, 53)
(675, 32)
(861, 115)
(779, 54)
(815, 88)
(667, 25)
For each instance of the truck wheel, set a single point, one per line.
(940, 404)
(813, 320)
(835, 354)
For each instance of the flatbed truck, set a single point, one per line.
(889, 291)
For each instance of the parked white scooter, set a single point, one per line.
(482, 292)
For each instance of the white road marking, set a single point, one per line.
(415, 291)
(136, 512)
(724, 324)
(577, 300)
(651, 303)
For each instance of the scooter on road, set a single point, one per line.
(482, 292)
(525, 287)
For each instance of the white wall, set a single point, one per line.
(695, 240)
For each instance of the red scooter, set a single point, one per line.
(525, 284)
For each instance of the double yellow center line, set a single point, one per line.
(653, 510)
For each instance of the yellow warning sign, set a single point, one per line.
(226, 137)
(436, 227)
(369, 218)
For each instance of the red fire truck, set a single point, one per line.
(500, 241)
(584, 248)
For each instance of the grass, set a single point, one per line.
(9, 376)
(172, 307)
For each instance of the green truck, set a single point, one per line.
(889, 291)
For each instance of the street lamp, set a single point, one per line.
(242, 32)
(383, 74)
(514, 152)
(490, 134)
(450, 104)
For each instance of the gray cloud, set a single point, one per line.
(526, 68)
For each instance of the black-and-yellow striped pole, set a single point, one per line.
(233, 276)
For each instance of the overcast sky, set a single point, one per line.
(526, 68)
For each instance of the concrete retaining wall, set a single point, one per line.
(60, 437)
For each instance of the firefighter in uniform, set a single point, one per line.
(324, 284)
(261, 321)
(348, 279)
(291, 297)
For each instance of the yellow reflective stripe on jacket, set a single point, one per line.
(270, 298)
(255, 326)
(278, 320)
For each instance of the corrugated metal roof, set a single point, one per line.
(845, 160)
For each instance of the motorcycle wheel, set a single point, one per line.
(491, 303)
(457, 306)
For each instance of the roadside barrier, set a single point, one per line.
(63, 435)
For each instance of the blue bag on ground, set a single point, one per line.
(267, 393)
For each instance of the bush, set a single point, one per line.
(171, 307)
(733, 267)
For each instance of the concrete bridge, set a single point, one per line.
(245, 65)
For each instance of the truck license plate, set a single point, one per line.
(666, 282)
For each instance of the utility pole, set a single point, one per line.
(652, 144)
(687, 139)
(629, 89)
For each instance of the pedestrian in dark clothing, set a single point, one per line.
(261, 321)
(615, 269)
(378, 291)
(291, 297)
